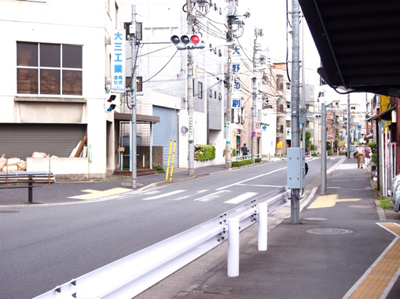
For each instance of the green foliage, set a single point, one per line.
(241, 163)
(374, 149)
(233, 152)
(312, 147)
(308, 137)
(204, 152)
(386, 203)
(159, 168)
(328, 146)
(373, 146)
(258, 160)
(314, 154)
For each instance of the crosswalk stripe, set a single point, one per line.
(240, 198)
(211, 196)
(164, 195)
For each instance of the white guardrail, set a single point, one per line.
(131, 275)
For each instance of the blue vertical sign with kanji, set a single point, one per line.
(118, 60)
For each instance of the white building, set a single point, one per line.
(55, 58)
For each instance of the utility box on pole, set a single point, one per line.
(296, 167)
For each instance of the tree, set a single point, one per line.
(308, 137)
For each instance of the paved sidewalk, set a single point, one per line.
(341, 249)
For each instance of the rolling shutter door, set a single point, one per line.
(21, 140)
(165, 131)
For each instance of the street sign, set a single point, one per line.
(118, 60)
(236, 103)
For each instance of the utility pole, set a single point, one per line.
(303, 84)
(348, 127)
(295, 111)
(190, 92)
(323, 148)
(229, 40)
(257, 32)
(133, 100)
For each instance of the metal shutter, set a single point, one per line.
(21, 140)
(165, 131)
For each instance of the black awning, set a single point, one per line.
(385, 115)
(358, 42)
(140, 118)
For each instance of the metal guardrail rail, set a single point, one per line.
(131, 275)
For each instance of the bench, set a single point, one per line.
(25, 179)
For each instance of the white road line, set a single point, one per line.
(211, 196)
(258, 176)
(254, 185)
(240, 198)
(180, 198)
(164, 195)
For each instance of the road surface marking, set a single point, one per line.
(254, 185)
(240, 198)
(329, 201)
(378, 280)
(93, 194)
(258, 176)
(211, 196)
(164, 195)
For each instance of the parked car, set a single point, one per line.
(395, 192)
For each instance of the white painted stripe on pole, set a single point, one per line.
(164, 195)
(255, 177)
(240, 198)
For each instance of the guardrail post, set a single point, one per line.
(233, 247)
(30, 183)
(262, 226)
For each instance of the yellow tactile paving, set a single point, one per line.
(324, 201)
(93, 194)
(328, 201)
(378, 277)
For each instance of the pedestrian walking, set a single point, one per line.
(244, 149)
(367, 153)
(359, 153)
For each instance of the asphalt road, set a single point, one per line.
(44, 246)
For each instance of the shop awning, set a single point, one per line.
(358, 42)
(140, 118)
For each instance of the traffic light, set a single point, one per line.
(110, 103)
(185, 42)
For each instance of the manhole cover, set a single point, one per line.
(360, 207)
(329, 231)
(315, 219)
(8, 212)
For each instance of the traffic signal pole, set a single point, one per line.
(190, 93)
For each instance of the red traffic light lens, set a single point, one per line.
(175, 39)
(185, 39)
(195, 39)
(111, 98)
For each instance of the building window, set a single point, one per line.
(200, 90)
(52, 69)
(279, 82)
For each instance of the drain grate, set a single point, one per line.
(329, 231)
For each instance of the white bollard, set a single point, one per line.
(262, 226)
(233, 247)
